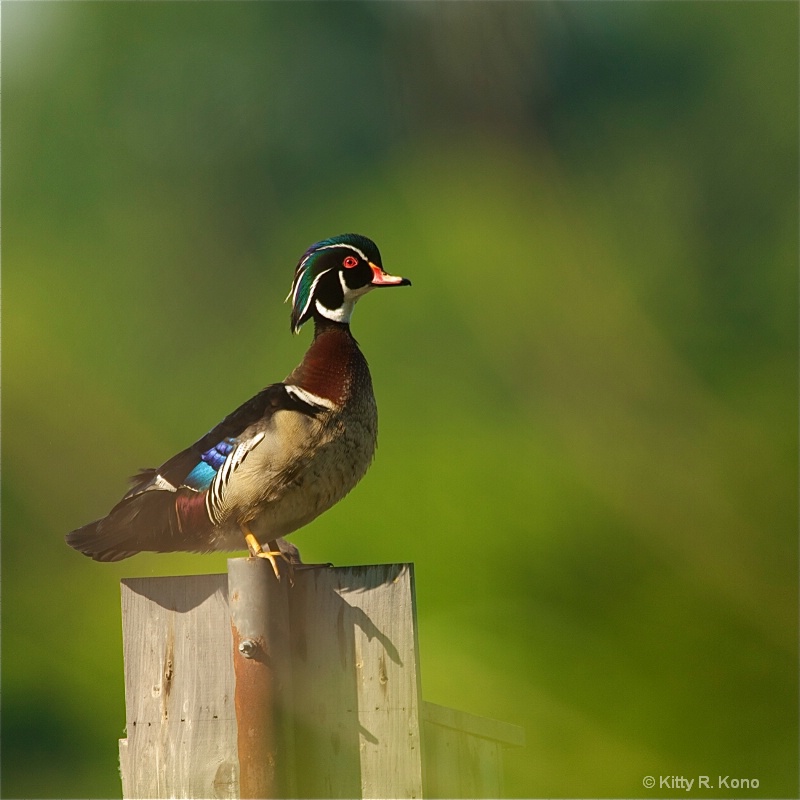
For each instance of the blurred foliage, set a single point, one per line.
(588, 399)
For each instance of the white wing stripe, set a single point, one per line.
(215, 497)
(309, 398)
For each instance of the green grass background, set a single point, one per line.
(588, 398)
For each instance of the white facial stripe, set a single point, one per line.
(350, 246)
(352, 294)
(308, 397)
(296, 282)
(310, 294)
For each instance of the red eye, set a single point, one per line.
(350, 262)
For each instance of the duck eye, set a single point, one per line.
(350, 262)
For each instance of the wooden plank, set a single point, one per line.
(504, 732)
(356, 682)
(461, 765)
(179, 691)
(464, 752)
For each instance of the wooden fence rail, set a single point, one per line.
(239, 686)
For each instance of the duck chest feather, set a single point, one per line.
(307, 463)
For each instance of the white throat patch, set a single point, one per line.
(345, 311)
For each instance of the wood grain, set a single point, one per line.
(179, 691)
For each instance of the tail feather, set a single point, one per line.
(144, 522)
(92, 542)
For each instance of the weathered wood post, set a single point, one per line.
(239, 686)
(262, 667)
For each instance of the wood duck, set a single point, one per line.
(283, 457)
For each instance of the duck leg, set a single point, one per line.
(256, 551)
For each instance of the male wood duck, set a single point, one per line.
(283, 457)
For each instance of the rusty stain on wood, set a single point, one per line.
(253, 701)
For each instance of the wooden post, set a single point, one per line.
(341, 665)
(262, 667)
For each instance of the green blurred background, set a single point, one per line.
(588, 398)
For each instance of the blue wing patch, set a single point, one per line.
(218, 453)
(201, 476)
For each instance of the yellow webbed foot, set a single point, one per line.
(256, 551)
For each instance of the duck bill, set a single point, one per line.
(381, 278)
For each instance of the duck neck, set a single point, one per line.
(333, 364)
